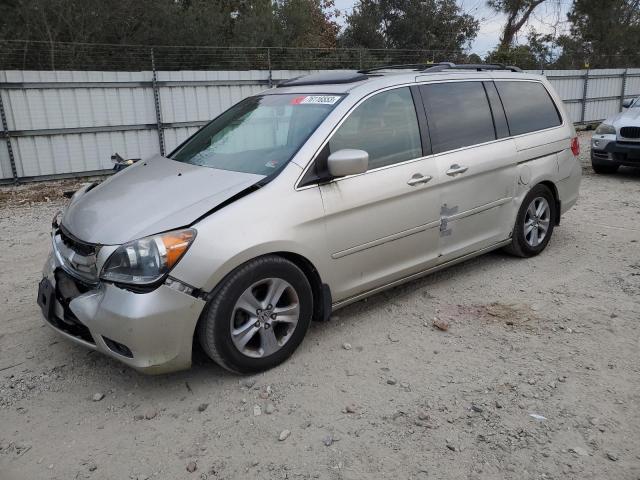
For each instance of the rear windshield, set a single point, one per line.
(257, 135)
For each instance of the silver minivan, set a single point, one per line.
(303, 199)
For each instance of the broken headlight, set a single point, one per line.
(147, 260)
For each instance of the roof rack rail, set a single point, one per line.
(402, 66)
(438, 67)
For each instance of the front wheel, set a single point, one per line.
(258, 316)
(534, 223)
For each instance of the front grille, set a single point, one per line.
(84, 249)
(630, 132)
(77, 258)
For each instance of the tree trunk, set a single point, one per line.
(514, 24)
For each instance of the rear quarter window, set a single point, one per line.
(528, 107)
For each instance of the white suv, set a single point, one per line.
(303, 199)
(616, 141)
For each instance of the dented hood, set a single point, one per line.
(150, 197)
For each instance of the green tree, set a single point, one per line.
(603, 34)
(256, 25)
(307, 23)
(437, 25)
(537, 53)
(211, 23)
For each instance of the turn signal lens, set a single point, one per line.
(175, 244)
(575, 146)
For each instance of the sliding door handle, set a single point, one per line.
(417, 179)
(455, 169)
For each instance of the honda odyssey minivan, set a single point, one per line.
(303, 199)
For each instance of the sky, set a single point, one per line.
(544, 19)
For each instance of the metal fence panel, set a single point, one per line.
(175, 136)
(47, 155)
(633, 82)
(574, 110)
(5, 165)
(71, 122)
(188, 98)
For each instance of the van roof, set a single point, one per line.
(342, 81)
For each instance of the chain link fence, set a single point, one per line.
(26, 55)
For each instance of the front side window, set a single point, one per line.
(458, 113)
(528, 107)
(257, 135)
(385, 126)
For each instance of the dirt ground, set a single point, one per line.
(538, 376)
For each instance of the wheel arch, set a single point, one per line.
(556, 197)
(321, 291)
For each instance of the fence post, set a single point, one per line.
(7, 137)
(584, 96)
(624, 87)
(360, 58)
(269, 65)
(156, 99)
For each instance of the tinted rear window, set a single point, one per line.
(528, 107)
(458, 115)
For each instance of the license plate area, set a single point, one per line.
(67, 321)
(46, 297)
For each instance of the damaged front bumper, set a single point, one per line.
(151, 332)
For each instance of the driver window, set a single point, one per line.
(385, 126)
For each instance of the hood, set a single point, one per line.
(628, 118)
(149, 197)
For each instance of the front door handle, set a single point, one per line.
(455, 169)
(417, 179)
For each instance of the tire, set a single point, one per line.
(229, 320)
(522, 243)
(604, 169)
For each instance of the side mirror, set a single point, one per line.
(348, 162)
(627, 103)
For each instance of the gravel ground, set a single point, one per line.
(537, 376)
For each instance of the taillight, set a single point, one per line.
(575, 146)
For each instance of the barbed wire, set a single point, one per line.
(41, 55)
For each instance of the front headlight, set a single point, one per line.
(605, 129)
(147, 260)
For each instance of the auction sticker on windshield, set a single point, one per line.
(316, 100)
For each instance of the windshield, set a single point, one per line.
(257, 135)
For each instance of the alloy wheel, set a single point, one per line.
(265, 317)
(537, 221)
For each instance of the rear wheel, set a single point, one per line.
(534, 223)
(258, 316)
